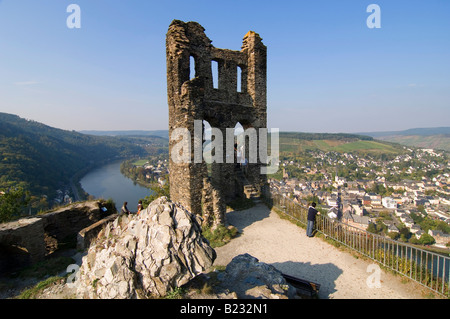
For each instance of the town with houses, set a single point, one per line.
(357, 201)
(157, 172)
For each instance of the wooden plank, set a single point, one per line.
(306, 285)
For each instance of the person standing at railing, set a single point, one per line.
(312, 212)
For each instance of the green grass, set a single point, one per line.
(32, 293)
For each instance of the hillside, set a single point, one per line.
(436, 138)
(437, 142)
(292, 142)
(41, 158)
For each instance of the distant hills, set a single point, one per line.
(160, 133)
(42, 158)
(436, 138)
(414, 131)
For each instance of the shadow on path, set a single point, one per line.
(323, 274)
(244, 218)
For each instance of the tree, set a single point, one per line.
(158, 191)
(393, 235)
(12, 203)
(427, 239)
(372, 228)
(404, 234)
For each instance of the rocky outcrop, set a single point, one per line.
(252, 279)
(145, 255)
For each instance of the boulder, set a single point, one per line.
(252, 279)
(145, 255)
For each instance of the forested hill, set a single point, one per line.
(40, 158)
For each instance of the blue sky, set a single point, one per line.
(327, 71)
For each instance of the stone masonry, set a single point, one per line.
(192, 98)
(30, 240)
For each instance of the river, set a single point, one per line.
(108, 182)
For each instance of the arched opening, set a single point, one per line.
(247, 144)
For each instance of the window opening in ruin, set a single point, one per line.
(215, 73)
(239, 79)
(192, 73)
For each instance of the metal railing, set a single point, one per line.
(427, 268)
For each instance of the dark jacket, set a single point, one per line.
(312, 212)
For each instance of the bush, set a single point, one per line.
(12, 202)
(220, 236)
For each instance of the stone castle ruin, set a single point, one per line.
(201, 189)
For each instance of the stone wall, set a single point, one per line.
(30, 240)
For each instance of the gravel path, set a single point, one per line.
(284, 245)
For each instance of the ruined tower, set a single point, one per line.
(192, 98)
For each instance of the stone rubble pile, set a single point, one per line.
(145, 255)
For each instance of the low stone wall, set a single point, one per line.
(21, 242)
(26, 240)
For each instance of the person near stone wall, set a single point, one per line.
(124, 209)
(139, 207)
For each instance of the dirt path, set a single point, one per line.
(284, 245)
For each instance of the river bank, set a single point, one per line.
(109, 183)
